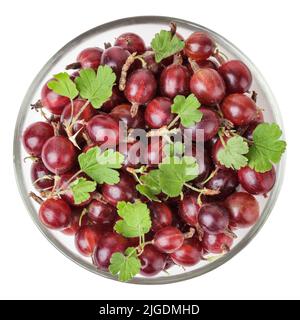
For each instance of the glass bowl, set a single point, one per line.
(147, 26)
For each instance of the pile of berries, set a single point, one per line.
(142, 210)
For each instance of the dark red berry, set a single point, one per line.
(208, 86)
(226, 181)
(124, 190)
(41, 177)
(86, 239)
(101, 212)
(236, 75)
(243, 209)
(158, 113)
(168, 239)
(174, 80)
(90, 58)
(52, 101)
(199, 46)
(109, 244)
(189, 254)
(58, 154)
(55, 213)
(140, 87)
(152, 261)
(35, 136)
(257, 182)
(213, 218)
(103, 129)
(131, 42)
(239, 109)
(161, 215)
(122, 113)
(115, 57)
(217, 243)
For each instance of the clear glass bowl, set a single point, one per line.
(147, 27)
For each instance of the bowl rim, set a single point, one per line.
(18, 161)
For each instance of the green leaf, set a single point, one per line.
(63, 85)
(126, 266)
(97, 88)
(81, 189)
(174, 149)
(147, 192)
(191, 168)
(165, 45)
(232, 154)
(187, 109)
(150, 186)
(267, 148)
(151, 180)
(101, 166)
(175, 172)
(131, 251)
(135, 221)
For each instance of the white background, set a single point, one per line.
(267, 31)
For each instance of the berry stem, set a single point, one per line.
(74, 176)
(133, 172)
(41, 110)
(72, 111)
(163, 131)
(199, 231)
(194, 65)
(189, 234)
(205, 191)
(225, 248)
(134, 109)
(213, 173)
(230, 233)
(192, 188)
(37, 105)
(73, 66)
(59, 190)
(220, 56)
(84, 212)
(177, 59)
(80, 112)
(32, 158)
(88, 140)
(141, 247)
(45, 177)
(35, 197)
(254, 96)
(221, 138)
(228, 124)
(173, 122)
(173, 28)
(98, 196)
(56, 127)
(107, 45)
(130, 60)
(73, 137)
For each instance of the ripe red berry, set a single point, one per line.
(199, 46)
(35, 136)
(208, 86)
(55, 213)
(236, 75)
